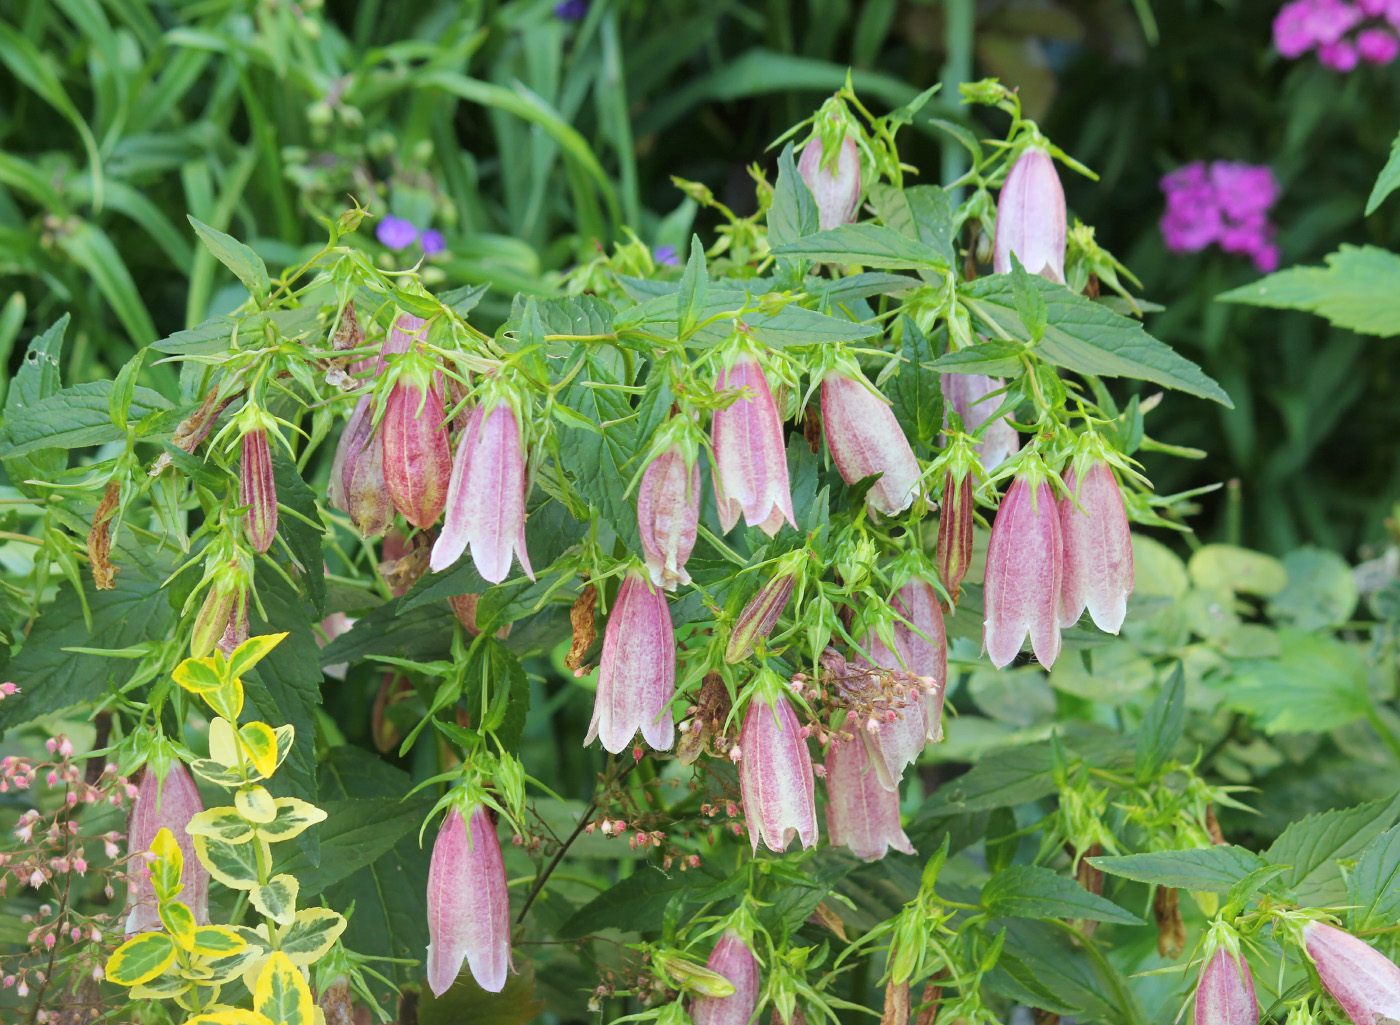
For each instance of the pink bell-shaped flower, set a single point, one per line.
(861, 814)
(257, 490)
(163, 803)
(924, 647)
(637, 671)
(865, 439)
(468, 904)
(417, 456)
(733, 959)
(775, 772)
(357, 485)
(1360, 978)
(1021, 591)
(1098, 550)
(1031, 217)
(835, 183)
(486, 496)
(750, 459)
(668, 514)
(970, 396)
(1225, 993)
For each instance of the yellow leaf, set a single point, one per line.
(282, 995)
(234, 865)
(140, 959)
(178, 920)
(228, 699)
(224, 824)
(260, 745)
(198, 675)
(169, 863)
(277, 900)
(255, 804)
(229, 1016)
(223, 746)
(251, 652)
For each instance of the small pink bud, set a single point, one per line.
(759, 616)
(1360, 978)
(865, 439)
(357, 484)
(970, 396)
(835, 183)
(1225, 994)
(257, 490)
(637, 670)
(164, 804)
(775, 776)
(468, 904)
(51, 745)
(417, 457)
(668, 512)
(1098, 550)
(1031, 217)
(8, 689)
(1025, 570)
(750, 456)
(732, 959)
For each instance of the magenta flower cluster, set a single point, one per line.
(1343, 33)
(1225, 202)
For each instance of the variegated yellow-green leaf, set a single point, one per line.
(285, 735)
(163, 987)
(226, 969)
(198, 971)
(229, 1016)
(293, 817)
(282, 995)
(216, 772)
(312, 934)
(228, 699)
(234, 865)
(217, 941)
(140, 959)
(278, 899)
(198, 675)
(223, 744)
(255, 804)
(251, 652)
(224, 824)
(178, 920)
(169, 863)
(260, 745)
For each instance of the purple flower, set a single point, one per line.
(968, 396)
(1226, 202)
(417, 456)
(1377, 45)
(1339, 56)
(666, 256)
(396, 232)
(836, 187)
(257, 491)
(1292, 33)
(861, 814)
(732, 959)
(1192, 220)
(750, 460)
(432, 242)
(1243, 190)
(571, 10)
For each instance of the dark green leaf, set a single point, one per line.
(1001, 779)
(422, 633)
(462, 301)
(1162, 726)
(1213, 869)
(869, 245)
(601, 464)
(1358, 289)
(636, 904)
(76, 417)
(916, 391)
(246, 265)
(993, 357)
(1028, 891)
(694, 283)
(778, 328)
(1373, 887)
(1388, 180)
(1314, 845)
(793, 214)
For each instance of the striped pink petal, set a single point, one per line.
(861, 815)
(468, 904)
(836, 189)
(668, 515)
(775, 776)
(1225, 993)
(967, 395)
(733, 959)
(1021, 592)
(167, 803)
(865, 439)
(1098, 559)
(637, 671)
(927, 655)
(750, 457)
(1360, 978)
(1031, 218)
(257, 490)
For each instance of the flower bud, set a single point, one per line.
(750, 457)
(257, 490)
(357, 485)
(637, 670)
(1360, 978)
(775, 775)
(1098, 549)
(237, 630)
(954, 552)
(167, 803)
(468, 904)
(1225, 993)
(417, 457)
(861, 814)
(759, 616)
(969, 395)
(1031, 218)
(225, 608)
(835, 183)
(865, 439)
(732, 959)
(1021, 592)
(925, 652)
(668, 513)
(486, 496)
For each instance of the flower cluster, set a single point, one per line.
(398, 233)
(1343, 33)
(1225, 202)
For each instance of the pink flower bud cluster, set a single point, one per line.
(1225, 202)
(1343, 33)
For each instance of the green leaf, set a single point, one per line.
(993, 357)
(466, 1001)
(1219, 566)
(1317, 683)
(1059, 974)
(793, 213)
(1313, 845)
(277, 899)
(302, 537)
(1373, 887)
(1008, 777)
(1088, 338)
(635, 904)
(234, 865)
(312, 934)
(1388, 180)
(915, 391)
(357, 831)
(694, 283)
(1359, 288)
(79, 417)
(141, 959)
(1212, 869)
(1028, 891)
(1030, 305)
(1320, 594)
(869, 245)
(922, 212)
(423, 633)
(777, 328)
(462, 301)
(1162, 727)
(601, 463)
(90, 248)
(38, 374)
(247, 266)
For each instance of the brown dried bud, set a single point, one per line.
(99, 541)
(896, 1004)
(585, 630)
(1171, 930)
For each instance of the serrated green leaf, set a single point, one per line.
(1373, 886)
(1313, 845)
(78, 417)
(1162, 727)
(1359, 289)
(915, 391)
(1317, 683)
(1028, 891)
(793, 213)
(1212, 869)
(869, 245)
(246, 265)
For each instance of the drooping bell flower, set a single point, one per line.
(733, 959)
(357, 485)
(668, 513)
(1360, 978)
(637, 670)
(486, 497)
(468, 905)
(1021, 591)
(1098, 559)
(970, 396)
(760, 615)
(834, 180)
(167, 802)
(861, 815)
(898, 726)
(775, 771)
(924, 647)
(417, 456)
(1225, 992)
(954, 548)
(865, 439)
(257, 490)
(1031, 217)
(750, 458)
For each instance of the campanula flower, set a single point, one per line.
(833, 178)
(637, 670)
(1031, 217)
(861, 815)
(1360, 978)
(167, 802)
(865, 439)
(468, 904)
(1098, 549)
(1225, 992)
(733, 959)
(775, 772)
(668, 513)
(1025, 572)
(750, 457)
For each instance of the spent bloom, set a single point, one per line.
(865, 439)
(732, 959)
(468, 904)
(1025, 572)
(1226, 202)
(1098, 549)
(1360, 978)
(1225, 992)
(1343, 33)
(1031, 217)
(637, 670)
(750, 457)
(167, 802)
(775, 771)
(832, 172)
(357, 485)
